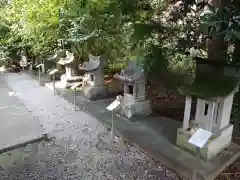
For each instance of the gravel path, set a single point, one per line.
(80, 149)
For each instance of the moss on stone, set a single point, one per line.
(210, 88)
(182, 142)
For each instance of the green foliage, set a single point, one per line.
(4, 30)
(95, 28)
(222, 22)
(119, 30)
(158, 34)
(32, 23)
(3, 56)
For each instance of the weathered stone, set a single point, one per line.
(94, 92)
(214, 146)
(214, 92)
(68, 79)
(94, 87)
(50, 62)
(24, 63)
(134, 100)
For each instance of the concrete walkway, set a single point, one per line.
(80, 149)
(18, 126)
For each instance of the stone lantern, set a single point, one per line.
(134, 100)
(69, 78)
(51, 63)
(214, 92)
(24, 63)
(94, 87)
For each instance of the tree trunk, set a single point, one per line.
(217, 49)
(217, 46)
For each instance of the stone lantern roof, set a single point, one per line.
(92, 65)
(51, 57)
(68, 60)
(210, 82)
(131, 74)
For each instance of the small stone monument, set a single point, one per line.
(24, 63)
(69, 78)
(51, 63)
(134, 99)
(94, 87)
(214, 92)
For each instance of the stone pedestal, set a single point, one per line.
(95, 92)
(214, 146)
(95, 88)
(214, 116)
(68, 80)
(130, 107)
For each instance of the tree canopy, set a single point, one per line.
(160, 34)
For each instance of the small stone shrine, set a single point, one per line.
(51, 63)
(214, 92)
(24, 63)
(134, 99)
(69, 78)
(94, 87)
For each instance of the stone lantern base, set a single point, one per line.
(95, 92)
(215, 145)
(130, 108)
(68, 82)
